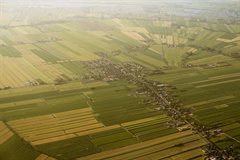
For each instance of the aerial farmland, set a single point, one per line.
(119, 80)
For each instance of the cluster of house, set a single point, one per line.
(213, 153)
(108, 71)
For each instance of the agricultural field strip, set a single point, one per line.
(19, 71)
(188, 155)
(165, 150)
(19, 103)
(211, 60)
(49, 129)
(53, 121)
(217, 83)
(61, 132)
(38, 133)
(232, 137)
(230, 127)
(146, 124)
(5, 133)
(77, 132)
(225, 113)
(47, 117)
(46, 123)
(68, 136)
(14, 74)
(218, 78)
(44, 157)
(57, 126)
(26, 91)
(147, 128)
(53, 139)
(11, 79)
(161, 147)
(136, 147)
(48, 88)
(175, 151)
(78, 85)
(142, 120)
(210, 101)
(222, 117)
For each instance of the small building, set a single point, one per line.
(183, 128)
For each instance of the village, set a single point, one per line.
(160, 96)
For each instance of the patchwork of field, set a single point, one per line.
(88, 136)
(58, 126)
(71, 121)
(76, 120)
(56, 52)
(50, 110)
(51, 56)
(184, 145)
(214, 98)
